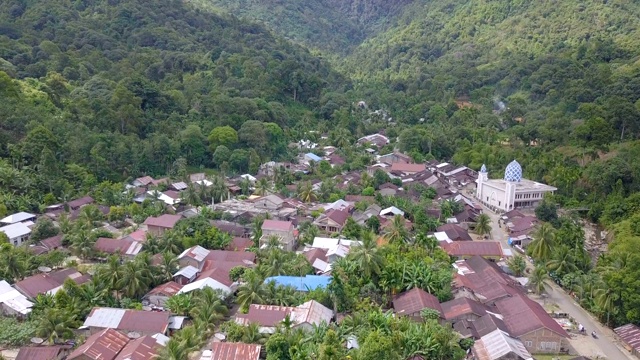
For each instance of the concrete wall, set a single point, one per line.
(541, 342)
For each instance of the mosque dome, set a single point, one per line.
(483, 169)
(513, 172)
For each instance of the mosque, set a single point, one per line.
(512, 192)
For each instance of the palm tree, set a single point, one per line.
(56, 324)
(538, 279)
(483, 225)
(190, 195)
(171, 242)
(306, 193)
(252, 335)
(366, 256)
(544, 240)
(90, 214)
(562, 261)
(136, 279)
(251, 292)
(606, 298)
(174, 351)
(397, 232)
(262, 187)
(517, 265)
(167, 267)
(13, 263)
(82, 243)
(208, 309)
(180, 304)
(111, 274)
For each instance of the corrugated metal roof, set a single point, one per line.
(105, 318)
(188, 271)
(201, 284)
(197, 253)
(497, 344)
(312, 312)
(144, 348)
(414, 300)
(39, 353)
(630, 334)
(17, 217)
(277, 225)
(15, 230)
(104, 345)
(234, 351)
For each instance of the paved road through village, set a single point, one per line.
(606, 346)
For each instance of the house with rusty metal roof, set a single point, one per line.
(463, 309)
(127, 320)
(158, 225)
(528, 321)
(143, 348)
(482, 280)
(48, 283)
(304, 316)
(455, 232)
(283, 230)
(122, 247)
(57, 352)
(105, 344)
(161, 293)
(232, 351)
(630, 335)
(467, 249)
(411, 303)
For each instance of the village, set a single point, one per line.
(296, 224)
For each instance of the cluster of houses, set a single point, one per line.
(489, 306)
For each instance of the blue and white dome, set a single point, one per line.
(483, 169)
(513, 172)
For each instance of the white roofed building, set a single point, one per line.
(18, 217)
(18, 232)
(12, 302)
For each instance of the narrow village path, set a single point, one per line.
(606, 346)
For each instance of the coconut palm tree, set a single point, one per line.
(13, 263)
(56, 324)
(180, 304)
(111, 274)
(167, 267)
(562, 261)
(251, 292)
(208, 309)
(538, 279)
(262, 187)
(544, 240)
(251, 335)
(136, 279)
(366, 255)
(306, 193)
(517, 265)
(82, 243)
(174, 351)
(605, 298)
(190, 195)
(483, 225)
(397, 232)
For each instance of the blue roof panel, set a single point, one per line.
(304, 284)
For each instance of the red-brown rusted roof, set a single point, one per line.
(235, 351)
(413, 301)
(104, 345)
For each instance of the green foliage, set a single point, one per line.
(15, 333)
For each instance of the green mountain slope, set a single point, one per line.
(117, 82)
(451, 48)
(332, 25)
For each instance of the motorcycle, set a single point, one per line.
(594, 335)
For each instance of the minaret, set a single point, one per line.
(483, 176)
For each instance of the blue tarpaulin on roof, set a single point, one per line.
(304, 283)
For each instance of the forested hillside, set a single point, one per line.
(334, 26)
(128, 87)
